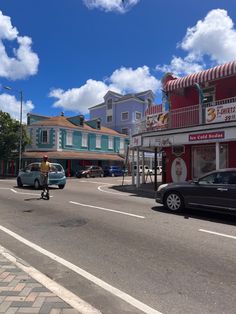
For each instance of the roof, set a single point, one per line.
(72, 155)
(218, 72)
(62, 121)
(124, 97)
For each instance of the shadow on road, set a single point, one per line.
(213, 216)
(146, 190)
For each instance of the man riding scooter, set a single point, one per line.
(45, 168)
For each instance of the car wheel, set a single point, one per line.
(36, 184)
(174, 202)
(101, 175)
(19, 182)
(86, 176)
(61, 186)
(112, 174)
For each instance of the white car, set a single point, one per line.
(159, 170)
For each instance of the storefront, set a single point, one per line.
(191, 154)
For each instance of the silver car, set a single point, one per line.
(31, 176)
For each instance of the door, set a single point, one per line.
(213, 191)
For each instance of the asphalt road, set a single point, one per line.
(121, 252)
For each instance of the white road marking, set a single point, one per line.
(7, 180)
(95, 182)
(122, 295)
(27, 193)
(116, 193)
(109, 210)
(64, 294)
(217, 233)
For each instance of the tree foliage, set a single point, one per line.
(10, 136)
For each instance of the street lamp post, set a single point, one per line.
(21, 126)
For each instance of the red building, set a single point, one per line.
(196, 130)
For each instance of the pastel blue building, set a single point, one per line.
(121, 112)
(74, 142)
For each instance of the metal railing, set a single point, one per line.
(183, 117)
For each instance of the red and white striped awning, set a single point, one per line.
(212, 74)
(153, 110)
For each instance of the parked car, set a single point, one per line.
(90, 172)
(31, 176)
(147, 170)
(159, 170)
(113, 171)
(215, 190)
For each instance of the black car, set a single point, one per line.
(215, 190)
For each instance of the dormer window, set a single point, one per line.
(109, 104)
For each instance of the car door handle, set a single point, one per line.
(222, 189)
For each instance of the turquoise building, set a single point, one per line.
(74, 142)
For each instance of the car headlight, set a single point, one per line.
(162, 186)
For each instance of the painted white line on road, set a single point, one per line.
(64, 294)
(109, 210)
(27, 193)
(122, 295)
(217, 233)
(116, 193)
(95, 182)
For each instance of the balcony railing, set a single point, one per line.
(183, 117)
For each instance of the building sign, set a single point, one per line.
(206, 136)
(137, 141)
(156, 121)
(164, 141)
(221, 113)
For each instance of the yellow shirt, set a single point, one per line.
(45, 166)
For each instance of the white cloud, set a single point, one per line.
(179, 66)
(122, 81)
(120, 6)
(24, 61)
(129, 80)
(214, 38)
(10, 104)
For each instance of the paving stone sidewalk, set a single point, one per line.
(19, 293)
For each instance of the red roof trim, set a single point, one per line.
(217, 72)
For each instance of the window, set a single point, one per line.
(69, 138)
(204, 159)
(124, 116)
(125, 131)
(98, 141)
(84, 139)
(138, 115)
(208, 95)
(149, 102)
(109, 104)
(110, 142)
(122, 144)
(44, 136)
(109, 119)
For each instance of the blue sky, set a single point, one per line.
(64, 55)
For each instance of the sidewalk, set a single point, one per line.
(20, 293)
